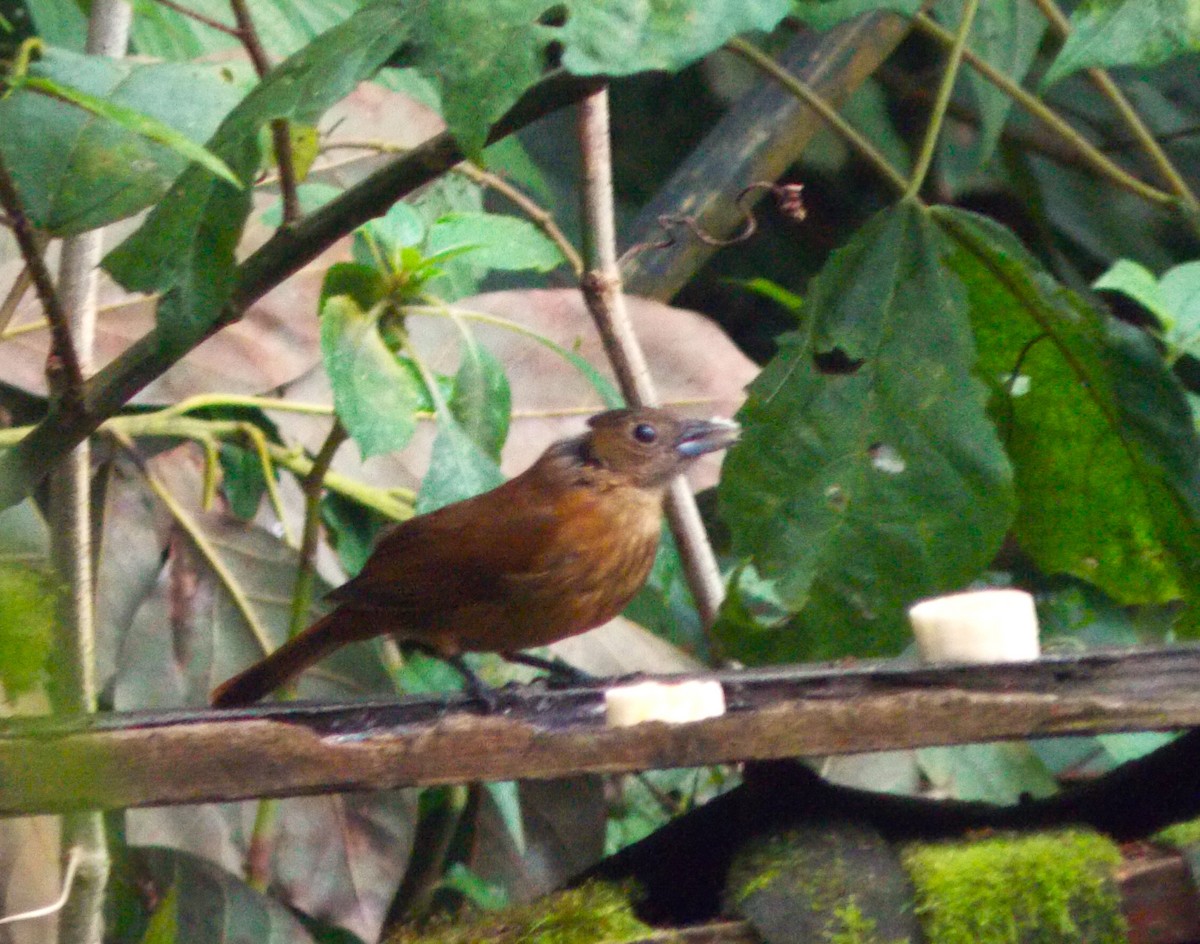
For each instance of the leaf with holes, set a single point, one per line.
(1105, 455)
(465, 44)
(868, 474)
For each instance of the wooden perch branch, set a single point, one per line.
(143, 759)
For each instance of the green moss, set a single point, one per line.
(1049, 888)
(592, 913)
(1180, 835)
(850, 926)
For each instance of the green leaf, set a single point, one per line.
(284, 26)
(772, 290)
(507, 798)
(458, 468)
(1180, 288)
(868, 474)
(90, 140)
(362, 283)
(185, 249)
(992, 773)
(218, 905)
(823, 14)
(352, 528)
(242, 480)
(374, 394)
(163, 926)
(497, 242)
(131, 120)
(379, 242)
(1136, 281)
(464, 45)
(1126, 32)
(481, 400)
(29, 593)
(1098, 430)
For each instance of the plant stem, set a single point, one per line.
(262, 839)
(66, 377)
(1133, 121)
(601, 287)
(73, 333)
(201, 18)
(938, 115)
(805, 92)
(1087, 151)
(281, 137)
(542, 218)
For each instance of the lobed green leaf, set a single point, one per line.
(868, 474)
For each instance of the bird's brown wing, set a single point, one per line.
(452, 558)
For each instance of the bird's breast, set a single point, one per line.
(601, 550)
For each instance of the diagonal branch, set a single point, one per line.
(63, 370)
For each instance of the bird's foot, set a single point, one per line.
(477, 688)
(561, 674)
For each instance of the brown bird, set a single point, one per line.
(555, 551)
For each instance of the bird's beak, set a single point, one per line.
(696, 437)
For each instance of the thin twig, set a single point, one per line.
(201, 18)
(933, 130)
(281, 136)
(803, 91)
(64, 370)
(601, 287)
(16, 292)
(542, 218)
(262, 838)
(1133, 121)
(313, 486)
(1088, 151)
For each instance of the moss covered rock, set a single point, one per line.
(1049, 888)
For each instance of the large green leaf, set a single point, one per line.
(375, 394)
(486, 53)
(85, 163)
(481, 400)
(185, 249)
(1105, 456)
(868, 474)
(458, 468)
(1126, 32)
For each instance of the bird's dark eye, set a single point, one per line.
(645, 433)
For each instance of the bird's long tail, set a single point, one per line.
(284, 664)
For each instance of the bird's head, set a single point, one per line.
(649, 447)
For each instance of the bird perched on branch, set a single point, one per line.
(555, 551)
